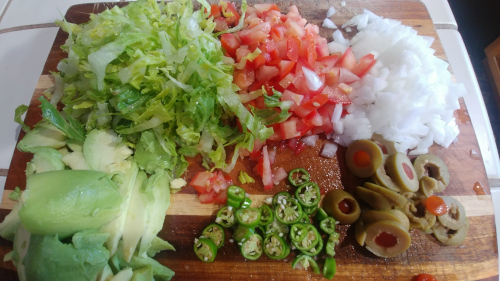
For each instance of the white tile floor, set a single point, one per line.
(3, 4)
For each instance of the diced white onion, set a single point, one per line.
(279, 175)
(328, 23)
(310, 140)
(329, 150)
(331, 12)
(339, 37)
(313, 80)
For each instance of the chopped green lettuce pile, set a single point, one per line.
(142, 88)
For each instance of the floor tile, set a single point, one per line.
(464, 73)
(19, 72)
(28, 12)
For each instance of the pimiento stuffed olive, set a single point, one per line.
(341, 206)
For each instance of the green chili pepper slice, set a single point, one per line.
(276, 227)
(304, 218)
(278, 198)
(329, 268)
(310, 240)
(304, 262)
(247, 202)
(298, 176)
(308, 194)
(320, 214)
(275, 246)
(267, 215)
(249, 217)
(288, 211)
(225, 216)
(235, 196)
(205, 249)
(252, 248)
(298, 232)
(242, 233)
(215, 233)
(314, 251)
(309, 210)
(328, 225)
(333, 240)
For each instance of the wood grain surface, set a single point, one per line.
(476, 259)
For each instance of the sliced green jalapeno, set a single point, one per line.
(279, 197)
(320, 214)
(252, 248)
(247, 202)
(215, 233)
(329, 268)
(242, 233)
(288, 211)
(328, 225)
(314, 251)
(276, 227)
(235, 196)
(298, 232)
(309, 210)
(333, 240)
(310, 240)
(275, 246)
(205, 249)
(225, 216)
(304, 262)
(305, 218)
(308, 194)
(267, 215)
(249, 217)
(298, 176)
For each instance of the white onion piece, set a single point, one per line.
(279, 175)
(331, 12)
(313, 80)
(347, 76)
(334, 47)
(329, 150)
(337, 113)
(310, 140)
(328, 23)
(339, 38)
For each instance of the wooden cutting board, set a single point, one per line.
(476, 259)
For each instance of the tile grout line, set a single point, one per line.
(5, 10)
(27, 27)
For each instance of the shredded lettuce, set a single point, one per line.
(20, 110)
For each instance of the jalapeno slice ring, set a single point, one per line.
(310, 240)
(225, 216)
(333, 240)
(320, 214)
(298, 176)
(304, 262)
(308, 194)
(275, 246)
(329, 268)
(314, 251)
(242, 233)
(215, 233)
(328, 225)
(252, 248)
(235, 196)
(205, 249)
(279, 197)
(298, 232)
(249, 217)
(247, 202)
(288, 211)
(267, 215)
(309, 210)
(276, 227)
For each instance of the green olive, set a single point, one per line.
(403, 219)
(387, 238)
(455, 218)
(363, 157)
(360, 233)
(395, 198)
(388, 147)
(428, 185)
(376, 200)
(449, 236)
(428, 165)
(341, 206)
(381, 178)
(401, 171)
(371, 216)
(418, 215)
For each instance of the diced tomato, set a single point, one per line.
(279, 175)
(241, 52)
(299, 148)
(201, 182)
(220, 24)
(214, 11)
(261, 8)
(308, 51)
(347, 61)
(243, 78)
(335, 95)
(206, 198)
(314, 118)
(296, 99)
(364, 65)
(221, 197)
(266, 73)
(229, 43)
(322, 47)
(260, 102)
(218, 182)
(303, 127)
(288, 129)
(278, 32)
(332, 76)
(285, 67)
(231, 15)
(255, 34)
(287, 81)
(257, 62)
(346, 89)
(314, 103)
(293, 48)
(325, 64)
(292, 143)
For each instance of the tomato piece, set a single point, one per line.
(361, 158)
(243, 78)
(364, 65)
(206, 198)
(230, 44)
(261, 8)
(234, 17)
(278, 32)
(288, 129)
(285, 67)
(293, 48)
(314, 119)
(347, 61)
(436, 205)
(299, 148)
(332, 76)
(201, 182)
(296, 99)
(322, 47)
(266, 73)
(218, 182)
(314, 103)
(424, 277)
(221, 197)
(242, 52)
(255, 34)
(220, 24)
(326, 63)
(292, 143)
(286, 81)
(214, 11)
(335, 95)
(267, 175)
